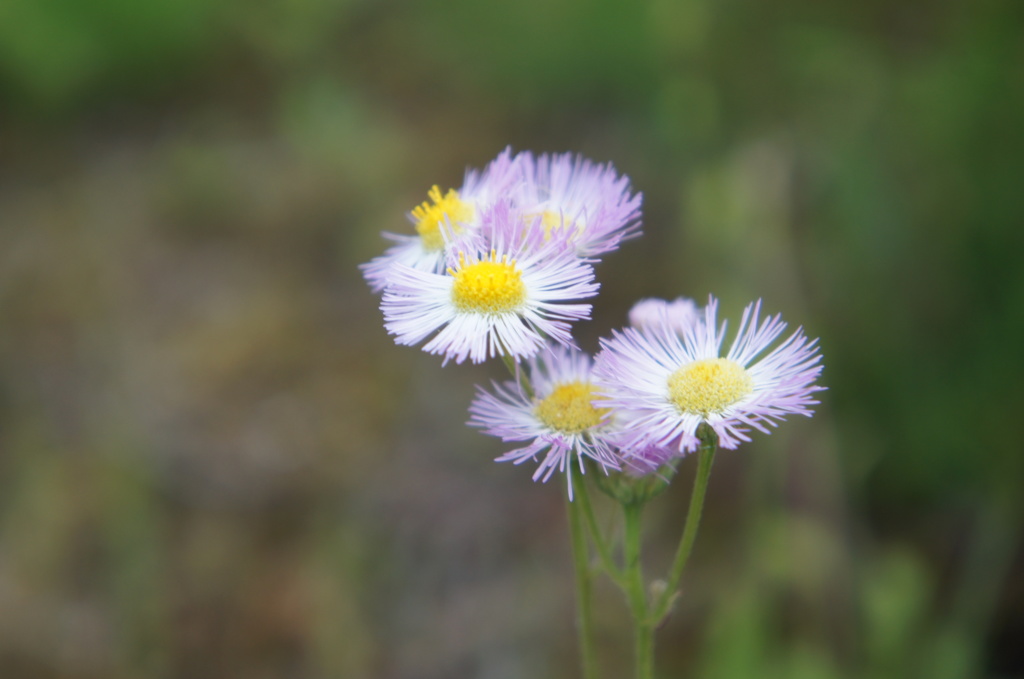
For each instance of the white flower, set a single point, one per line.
(559, 419)
(679, 314)
(501, 295)
(663, 384)
(588, 205)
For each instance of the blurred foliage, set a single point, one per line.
(214, 463)
(54, 53)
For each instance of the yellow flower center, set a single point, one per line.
(708, 386)
(567, 409)
(491, 286)
(552, 220)
(431, 214)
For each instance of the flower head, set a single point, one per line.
(679, 314)
(588, 205)
(559, 419)
(455, 211)
(664, 384)
(500, 294)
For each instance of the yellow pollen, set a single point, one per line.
(431, 214)
(568, 410)
(491, 286)
(552, 220)
(708, 386)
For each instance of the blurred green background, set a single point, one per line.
(215, 463)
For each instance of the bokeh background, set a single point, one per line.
(215, 463)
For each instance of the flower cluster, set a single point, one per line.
(499, 266)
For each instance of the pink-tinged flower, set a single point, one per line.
(455, 211)
(559, 420)
(679, 314)
(588, 205)
(637, 462)
(501, 295)
(663, 384)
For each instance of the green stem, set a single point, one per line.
(643, 630)
(584, 624)
(705, 457)
(519, 374)
(605, 554)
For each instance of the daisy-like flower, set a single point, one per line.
(502, 294)
(559, 420)
(663, 384)
(588, 205)
(679, 314)
(455, 211)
